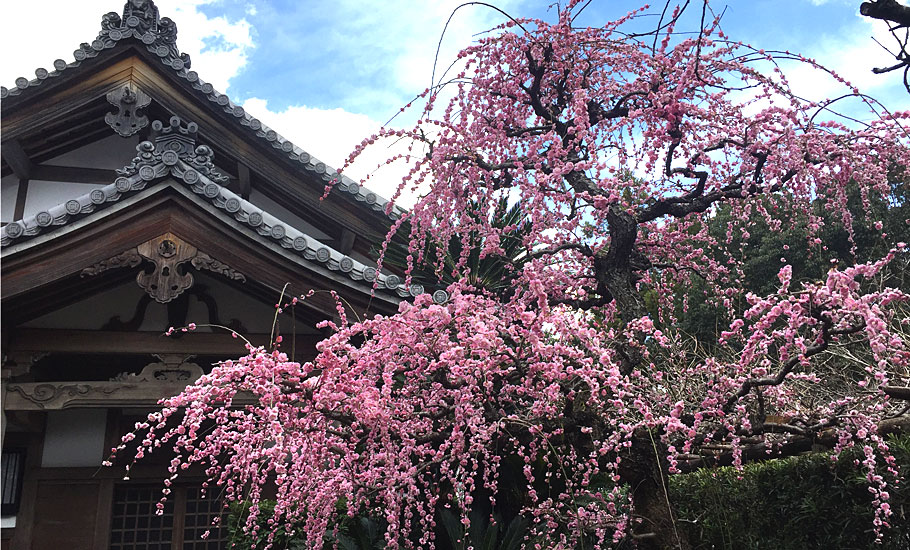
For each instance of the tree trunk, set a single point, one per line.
(645, 471)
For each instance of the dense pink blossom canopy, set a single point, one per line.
(619, 149)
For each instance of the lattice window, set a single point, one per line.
(135, 526)
(11, 479)
(198, 520)
(187, 515)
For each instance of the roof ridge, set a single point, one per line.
(174, 153)
(142, 22)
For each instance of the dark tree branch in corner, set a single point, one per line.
(892, 11)
(887, 10)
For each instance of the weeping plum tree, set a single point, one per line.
(619, 147)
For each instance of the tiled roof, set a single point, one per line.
(159, 36)
(175, 154)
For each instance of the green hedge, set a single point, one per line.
(798, 503)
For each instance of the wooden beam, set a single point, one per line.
(346, 243)
(73, 174)
(243, 180)
(21, 196)
(97, 341)
(15, 156)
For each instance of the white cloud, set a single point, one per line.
(851, 53)
(331, 135)
(40, 32)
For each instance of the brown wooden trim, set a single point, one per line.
(243, 180)
(103, 514)
(25, 519)
(91, 341)
(177, 536)
(15, 156)
(21, 196)
(73, 174)
(63, 98)
(347, 241)
(64, 257)
(289, 183)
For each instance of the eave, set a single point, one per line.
(105, 64)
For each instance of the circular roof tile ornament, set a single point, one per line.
(207, 88)
(415, 289)
(97, 45)
(232, 205)
(41, 73)
(191, 176)
(132, 21)
(59, 64)
(238, 111)
(320, 168)
(440, 297)
(122, 184)
(161, 51)
(4, 93)
(97, 196)
(369, 274)
(300, 244)
(79, 55)
(255, 219)
(211, 190)
(392, 281)
(73, 207)
(255, 124)
(148, 39)
(323, 254)
(371, 198)
(346, 264)
(147, 173)
(278, 231)
(223, 100)
(22, 83)
(192, 76)
(271, 135)
(353, 188)
(170, 158)
(177, 64)
(115, 34)
(44, 218)
(287, 146)
(14, 230)
(304, 157)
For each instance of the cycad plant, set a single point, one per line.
(461, 259)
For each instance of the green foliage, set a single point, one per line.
(763, 247)
(484, 534)
(239, 512)
(799, 503)
(461, 257)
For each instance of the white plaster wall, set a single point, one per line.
(9, 186)
(284, 215)
(74, 437)
(45, 194)
(111, 153)
(95, 311)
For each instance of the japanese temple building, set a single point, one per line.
(135, 197)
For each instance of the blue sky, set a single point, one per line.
(327, 73)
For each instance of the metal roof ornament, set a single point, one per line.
(127, 120)
(141, 21)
